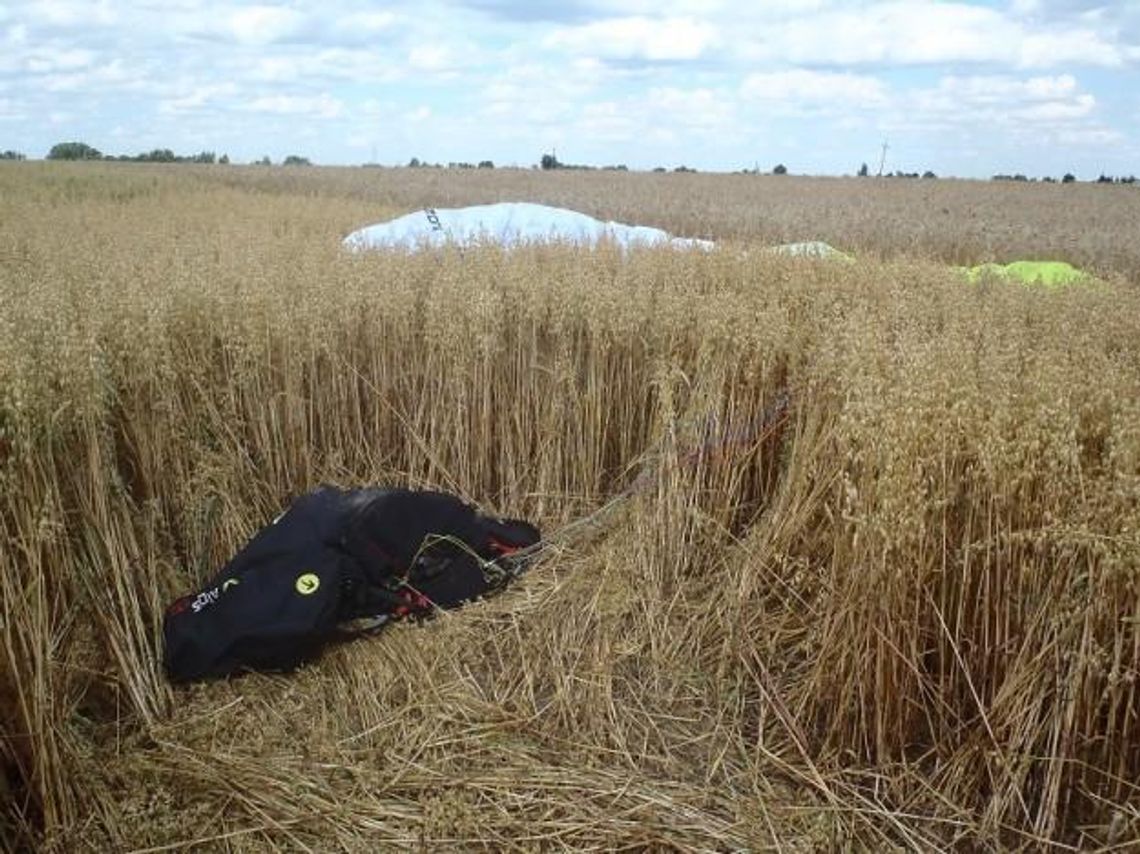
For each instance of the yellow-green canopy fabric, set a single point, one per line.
(1051, 274)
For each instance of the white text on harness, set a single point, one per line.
(209, 597)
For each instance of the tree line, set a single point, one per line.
(83, 151)
(416, 163)
(548, 162)
(1067, 178)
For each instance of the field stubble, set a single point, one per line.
(909, 617)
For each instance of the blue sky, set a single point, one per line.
(964, 88)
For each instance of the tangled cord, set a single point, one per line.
(771, 420)
(502, 571)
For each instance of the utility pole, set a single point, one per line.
(883, 159)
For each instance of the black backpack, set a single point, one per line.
(339, 561)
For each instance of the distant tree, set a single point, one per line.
(1104, 179)
(224, 160)
(780, 169)
(549, 161)
(296, 160)
(658, 168)
(264, 161)
(204, 157)
(1069, 178)
(73, 151)
(414, 163)
(12, 155)
(158, 155)
(863, 171)
(684, 168)
(486, 164)
(928, 174)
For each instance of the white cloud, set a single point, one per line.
(1046, 50)
(999, 110)
(541, 93)
(578, 11)
(907, 33)
(607, 121)
(690, 117)
(1096, 136)
(430, 58)
(261, 25)
(198, 98)
(798, 86)
(299, 23)
(47, 61)
(113, 76)
(283, 69)
(964, 92)
(322, 106)
(995, 95)
(10, 111)
(254, 26)
(924, 32)
(1084, 12)
(367, 22)
(1053, 112)
(653, 39)
(1062, 86)
(70, 14)
(294, 66)
(1029, 107)
(692, 108)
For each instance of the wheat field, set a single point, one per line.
(903, 615)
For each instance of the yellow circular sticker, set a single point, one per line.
(307, 584)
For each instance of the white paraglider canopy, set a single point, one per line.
(508, 224)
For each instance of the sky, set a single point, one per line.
(1040, 87)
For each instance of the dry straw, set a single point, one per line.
(908, 618)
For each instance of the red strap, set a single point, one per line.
(503, 548)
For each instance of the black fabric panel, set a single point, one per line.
(334, 556)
